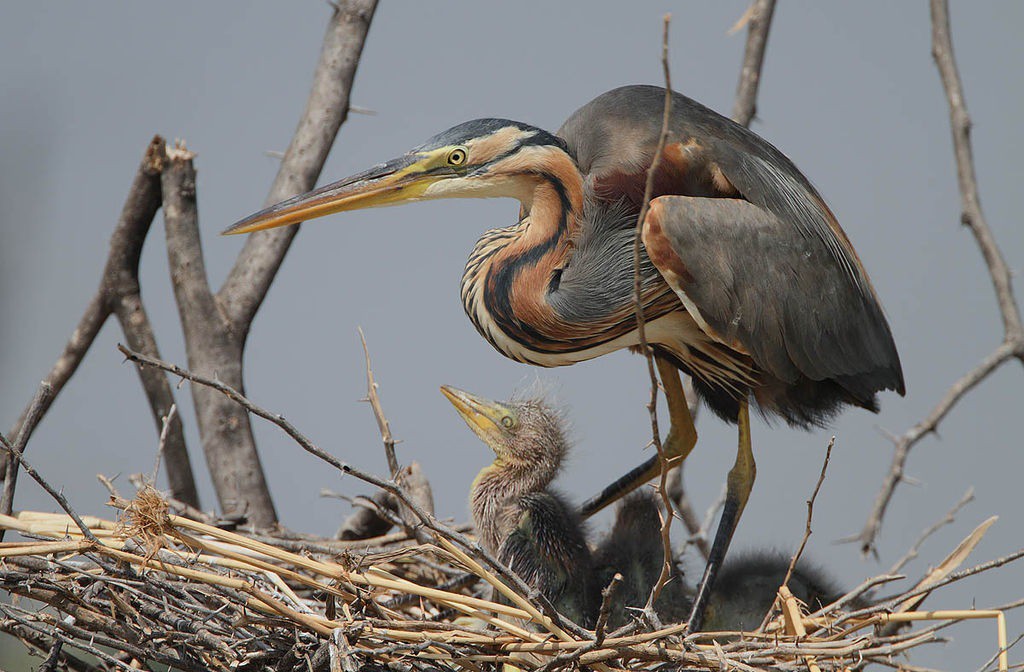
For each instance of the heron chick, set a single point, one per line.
(529, 527)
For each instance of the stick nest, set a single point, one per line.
(168, 590)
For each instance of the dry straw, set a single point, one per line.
(160, 588)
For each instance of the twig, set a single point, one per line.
(759, 20)
(810, 512)
(607, 595)
(53, 658)
(645, 348)
(948, 519)
(14, 452)
(972, 217)
(162, 443)
(378, 412)
(1000, 652)
(684, 509)
(35, 413)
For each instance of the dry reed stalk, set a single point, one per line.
(260, 589)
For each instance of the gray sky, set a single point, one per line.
(849, 92)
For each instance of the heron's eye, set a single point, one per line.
(507, 422)
(457, 157)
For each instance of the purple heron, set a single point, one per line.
(748, 283)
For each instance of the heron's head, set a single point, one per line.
(477, 159)
(527, 436)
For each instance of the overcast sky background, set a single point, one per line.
(849, 92)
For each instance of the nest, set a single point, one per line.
(157, 588)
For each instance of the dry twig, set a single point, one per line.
(810, 512)
(645, 348)
(972, 217)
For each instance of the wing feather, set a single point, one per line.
(783, 296)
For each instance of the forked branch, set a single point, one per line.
(119, 294)
(972, 217)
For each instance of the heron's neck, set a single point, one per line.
(552, 200)
(494, 499)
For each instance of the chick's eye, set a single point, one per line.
(457, 157)
(508, 422)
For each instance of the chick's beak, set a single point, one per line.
(397, 181)
(482, 415)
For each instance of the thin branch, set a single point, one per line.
(1002, 282)
(759, 20)
(378, 412)
(645, 348)
(948, 519)
(13, 451)
(684, 509)
(810, 512)
(607, 595)
(35, 413)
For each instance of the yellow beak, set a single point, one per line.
(397, 181)
(482, 415)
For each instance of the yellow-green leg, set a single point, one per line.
(741, 481)
(681, 438)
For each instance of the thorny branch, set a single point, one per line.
(948, 519)
(810, 511)
(972, 217)
(645, 348)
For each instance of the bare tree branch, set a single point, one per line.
(973, 218)
(32, 418)
(326, 109)
(932, 529)
(378, 412)
(213, 349)
(759, 20)
(216, 325)
(119, 293)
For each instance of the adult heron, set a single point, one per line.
(748, 283)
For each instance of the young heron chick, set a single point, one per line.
(747, 586)
(633, 549)
(531, 529)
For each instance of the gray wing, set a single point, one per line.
(764, 287)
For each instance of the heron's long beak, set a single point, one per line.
(482, 415)
(397, 181)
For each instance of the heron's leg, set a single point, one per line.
(681, 438)
(739, 484)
